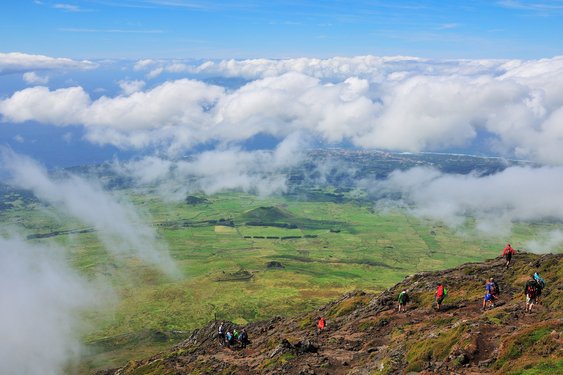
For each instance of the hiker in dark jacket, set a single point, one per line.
(243, 338)
(531, 292)
(541, 284)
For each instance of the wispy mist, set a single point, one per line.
(123, 231)
(259, 172)
(41, 298)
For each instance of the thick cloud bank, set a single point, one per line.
(119, 226)
(41, 298)
(495, 201)
(514, 108)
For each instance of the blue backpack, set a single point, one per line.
(539, 280)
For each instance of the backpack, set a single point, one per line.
(531, 290)
(493, 288)
(539, 280)
(445, 292)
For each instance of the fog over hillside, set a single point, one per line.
(42, 299)
(120, 227)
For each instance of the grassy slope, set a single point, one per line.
(371, 251)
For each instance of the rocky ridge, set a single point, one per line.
(366, 335)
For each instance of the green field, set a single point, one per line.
(325, 249)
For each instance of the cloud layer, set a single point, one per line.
(514, 108)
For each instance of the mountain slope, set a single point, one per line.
(366, 335)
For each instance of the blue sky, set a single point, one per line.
(97, 29)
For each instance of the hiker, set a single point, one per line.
(441, 293)
(243, 339)
(229, 338)
(541, 284)
(221, 334)
(321, 324)
(403, 300)
(531, 290)
(491, 293)
(507, 253)
(492, 288)
(235, 334)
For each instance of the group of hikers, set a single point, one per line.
(532, 289)
(235, 339)
(232, 338)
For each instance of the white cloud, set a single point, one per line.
(62, 106)
(396, 103)
(143, 64)
(428, 113)
(185, 112)
(41, 299)
(155, 73)
(34, 78)
(69, 8)
(336, 67)
(15, 62)
(495, 201)
(117, 223)
(130, 87)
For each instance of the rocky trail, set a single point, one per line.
(366, 335)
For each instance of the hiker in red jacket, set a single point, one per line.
(507, 254)
(321, 324)
(440, 295)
